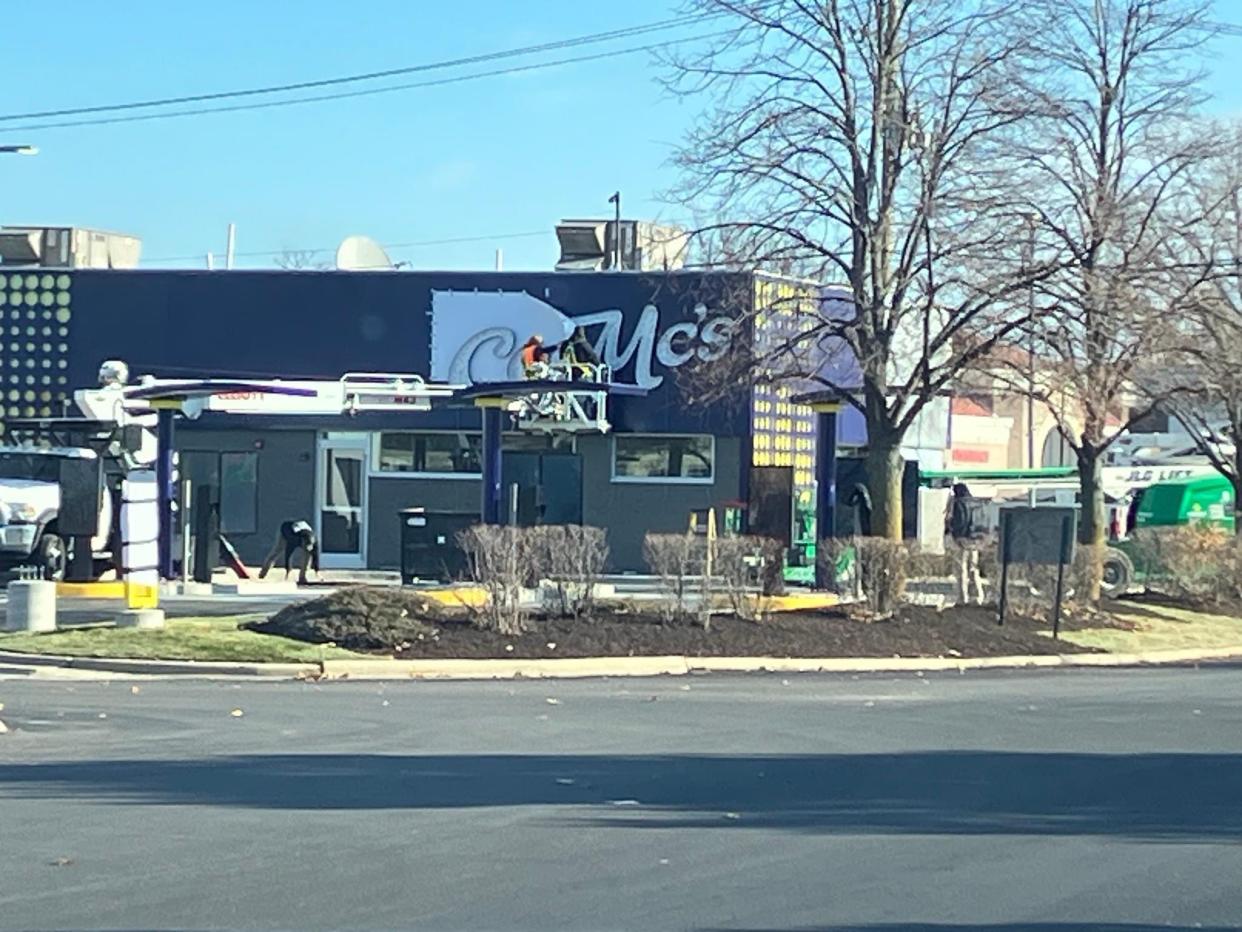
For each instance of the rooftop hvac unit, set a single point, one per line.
(67, 248)
(585, 245)
(588, 246)
(20, 247)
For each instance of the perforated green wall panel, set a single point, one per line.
(36, 311)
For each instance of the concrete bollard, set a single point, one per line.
(147, 618)
(32, 606)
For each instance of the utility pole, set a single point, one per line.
(228, 249)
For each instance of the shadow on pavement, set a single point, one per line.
(997, 927)
(1159, 796)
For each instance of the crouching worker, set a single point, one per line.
(293, 536)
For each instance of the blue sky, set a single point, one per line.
(495, 156)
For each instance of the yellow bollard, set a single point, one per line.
(141, 595)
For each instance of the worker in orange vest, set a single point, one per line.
(533, 354)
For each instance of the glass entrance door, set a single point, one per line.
(341, 507)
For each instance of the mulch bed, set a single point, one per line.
(406, 625)
(357, 618)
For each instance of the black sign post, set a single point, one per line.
(1067, 547)
(1043, 536)
(1003, 599)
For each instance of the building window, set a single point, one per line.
(239, 493)
(663, 459)
(1057, 450)
(429, 453)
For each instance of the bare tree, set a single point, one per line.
(1103, 166)
(857, 141)
(1204, 391)
(293, 259)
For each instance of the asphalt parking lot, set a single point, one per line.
(1062, 800)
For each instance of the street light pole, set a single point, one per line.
(1030, 354)
(1030, 348)
(616, 232)
(19, 150)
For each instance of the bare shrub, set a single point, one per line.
(924, 565)
(1144, 553)
(836, 557)
(572, 557)
(501, 561)
(772, 579)
(1032, 587)
(749, 569)
(1195, 562)
(882, 570)
(874, 567)
(676, 558)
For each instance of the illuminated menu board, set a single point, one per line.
(783, 433)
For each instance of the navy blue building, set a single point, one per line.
(664, 458)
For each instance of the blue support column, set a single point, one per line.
(165, 491)
(826, 496)
(490, 511)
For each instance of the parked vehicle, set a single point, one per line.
(30, 510)
(1205, 500)
(1202, 500)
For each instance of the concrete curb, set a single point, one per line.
(162, 667)
(940, 664)
(588, 667)
(553, 668)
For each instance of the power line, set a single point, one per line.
(456, 79)
(427, 242)
(592, 38)
(449, 241)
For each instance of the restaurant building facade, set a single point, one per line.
(749, 454)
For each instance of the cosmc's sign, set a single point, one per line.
(477, 337)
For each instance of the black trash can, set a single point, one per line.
(429, 549)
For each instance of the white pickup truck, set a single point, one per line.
(30, 507)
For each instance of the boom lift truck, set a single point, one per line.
(60, 495)
(60, 510)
